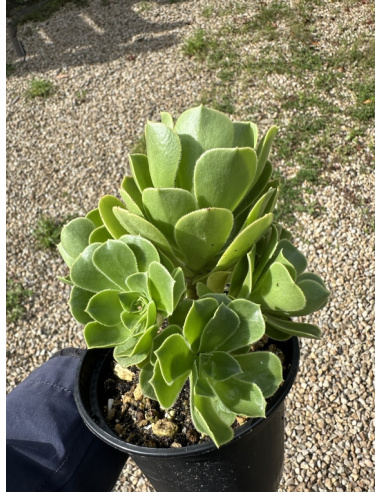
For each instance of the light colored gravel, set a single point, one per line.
(62, 155)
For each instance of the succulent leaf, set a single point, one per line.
(263, 150)
(106, 205)
(222, 177)
(161, 286)
(245, 134)
(167, 119)
(244, 242)
(141, 227)
(293, 328)
(130, 190)
(240, 397)
(75, 238)
(97, 335)
(116, 261)
(79, 299)
(140, 171)
(219, 365)
(166, 394)
(175, 358)
(165, 206)
(105, 307)
(251, 325)
(163, 152)
(86, 275)
(201, 234)
(99, 235)
(197, 318)
(219, 329)
(277, 291)
(200, 129)
(261, 368)
(144, 251)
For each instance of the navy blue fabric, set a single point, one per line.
(49, 448)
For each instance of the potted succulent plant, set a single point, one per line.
(186, 281)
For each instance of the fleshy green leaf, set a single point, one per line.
(138, 282)
(260, 187)
(200, 235)
(316, 296)
(167, 119)
(99, 336)
(219, 329)
(217, 281)
(75, 238)
(258, 210)
(276, 334)
(131, 205)
(165, 206)
(244, 242)
(105, 308)
(265, 249)
(99, 235)
(140, 350)
(200, 129)
(161, 285)
(140, 171)
(144, 379)
(222, 177)
(219, 365)
(292, 254)
(261, 368)
(240, 397)
(251, 325)
(106, 205)
(277, 291)
(84, 273)
(203, 388)
(95, 217)
(175, 358)
(116, 261)
(263, 150)
(140, 227)
(163, 152)
(166, 394)
(210, 419)
(134, 195)
(293, 328)
(198, 317)
(144, 251)
(180, 313)
(245, 134)
(79, 299)
(180, 287)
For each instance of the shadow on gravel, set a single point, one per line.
(79, 35)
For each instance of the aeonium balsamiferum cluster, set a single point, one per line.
(193, 242)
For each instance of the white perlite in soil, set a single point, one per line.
(66, 151)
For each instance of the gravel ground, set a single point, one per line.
(64, 152)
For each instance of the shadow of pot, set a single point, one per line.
(251, 462)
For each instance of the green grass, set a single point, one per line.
(47, 231)
(39, 88)
(80, 96)
(16, 295)
(364, 109)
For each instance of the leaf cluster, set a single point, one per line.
(193, 242)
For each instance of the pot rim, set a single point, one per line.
(112, 438)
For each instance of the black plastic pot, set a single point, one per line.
(251, 462)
